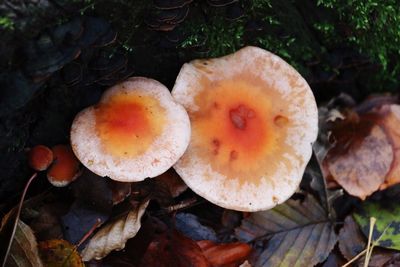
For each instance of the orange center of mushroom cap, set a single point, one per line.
(240, 127)
(128, 123)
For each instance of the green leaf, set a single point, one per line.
(387, 228)
(299, 233)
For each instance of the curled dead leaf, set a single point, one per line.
(114, 235)
(362, 167)
(23, 251)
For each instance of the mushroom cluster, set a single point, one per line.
(60, 162)
(253, 120)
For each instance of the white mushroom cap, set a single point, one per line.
(136, 131)
(254, 119)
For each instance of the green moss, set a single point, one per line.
(373, 26)
(6, 23)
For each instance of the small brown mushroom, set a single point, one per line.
(65, 168)
(40, 157)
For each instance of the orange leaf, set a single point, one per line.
(174, 249)
(225, 255)
(58, 252)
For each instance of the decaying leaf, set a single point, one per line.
(93, 202)
(387, 226)
(174, 249)
(390, 123)
(351, 240)
(58, 252)
(172, 181)
(360, 151)
(362, 168)
(189, 225)
(23, 250)
(120, 190)
(114, 235)
(225, 255)
(299, 233)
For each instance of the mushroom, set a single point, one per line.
(254, 119)
(40, 157)
(65, 168)
(136, 131)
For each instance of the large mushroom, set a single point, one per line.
(136, 131)
(254, 119)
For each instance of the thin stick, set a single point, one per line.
(372, 221)
(89, 233)
(21, 202)
(355, 258)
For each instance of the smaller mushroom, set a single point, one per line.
(65, 168)
(40, 157)
(136, 131)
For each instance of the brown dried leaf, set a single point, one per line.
(299, 233)
(114, 235)
(225, 255)
(58, 252)
(390, 123)
(174, 249)
(351, 239)
(24, 250)
(361, 167)
(172, 181)
(120, 190)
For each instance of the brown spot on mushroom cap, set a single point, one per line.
(265, 122)
(40, 157)
(65, 168)
(136, 131)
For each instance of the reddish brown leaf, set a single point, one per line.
(390, 123)
(225, 255)
(362, 164)
(174, 249)
(120, 191)
(172, 181)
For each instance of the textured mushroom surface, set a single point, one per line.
(135, 131)
(254, 119)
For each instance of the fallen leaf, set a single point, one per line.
(298, 233)
(386, 231)
(120, 190)
(225, 255)
(174, 249)
(10, 224)
(58, 252)
(23, 251)
(390, 123)
(93, 201)
(362, 166)
(351, 240)
(172, 181)
(189, 225)
(114, 235)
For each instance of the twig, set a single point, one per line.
(355, 258)
(370, 247)
(21, 202)
(89, 233)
